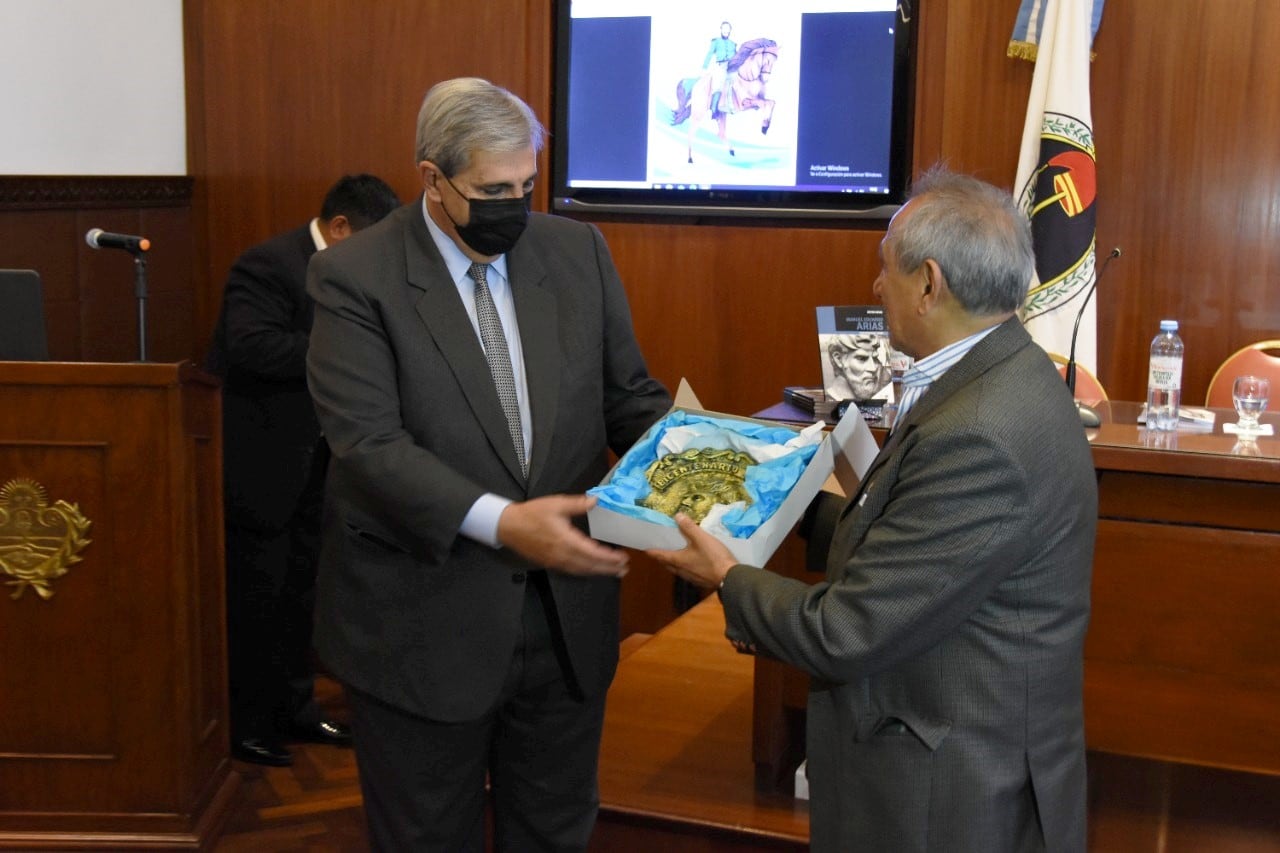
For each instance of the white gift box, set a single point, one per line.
(850, 441)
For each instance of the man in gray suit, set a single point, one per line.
(945, 646)
(471, 364)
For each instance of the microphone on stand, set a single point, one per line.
(1088, 415)
(99, 239)
(138, 247)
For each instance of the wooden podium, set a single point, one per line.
(113, 701)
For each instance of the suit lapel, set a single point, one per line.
(1007, 339)
(441, 310)
(869, 476)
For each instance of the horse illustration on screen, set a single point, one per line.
(748, 71)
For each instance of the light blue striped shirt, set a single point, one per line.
(481, 522)
(928, 370)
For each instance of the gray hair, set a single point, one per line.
(467, 114)
(977, 235)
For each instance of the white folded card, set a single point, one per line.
(1260, 429)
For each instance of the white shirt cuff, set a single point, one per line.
(481, 522)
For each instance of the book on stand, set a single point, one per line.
(854, 345)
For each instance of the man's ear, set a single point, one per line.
(431, 178)
(338, 229)
(934, 284)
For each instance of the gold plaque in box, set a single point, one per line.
(37, 541)
(693, 481)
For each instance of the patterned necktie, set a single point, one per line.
(495, 350)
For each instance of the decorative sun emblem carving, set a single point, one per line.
(38, 541)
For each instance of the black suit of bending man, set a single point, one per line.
(274, 462)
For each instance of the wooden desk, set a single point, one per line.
(676, 772)
(675, 767)
(1182, 659)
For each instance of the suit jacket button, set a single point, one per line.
(517, 577)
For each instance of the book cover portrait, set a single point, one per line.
(854, 345)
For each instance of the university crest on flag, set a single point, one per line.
(1059, 200)
(1056, 181)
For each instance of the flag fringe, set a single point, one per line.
(1023, 50)
(1029, 51)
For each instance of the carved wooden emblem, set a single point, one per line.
(37, 541)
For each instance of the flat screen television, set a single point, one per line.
(743, 108)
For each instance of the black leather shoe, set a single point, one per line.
(326, 731)
(262, 751)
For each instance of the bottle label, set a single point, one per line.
(1166, 373)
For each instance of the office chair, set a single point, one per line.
(1088, 387)
(1260, 359)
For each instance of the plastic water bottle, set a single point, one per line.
(1164, 378)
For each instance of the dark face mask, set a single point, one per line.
(494, 224)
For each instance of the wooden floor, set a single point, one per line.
(1135, 806)
(311, 807)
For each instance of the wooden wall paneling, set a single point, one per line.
(171, 296)
(108, 309)
(298, 93)
(205, 298)
(731, 307)
(931, 53)
(984, 101)
(1186, 108)
(285, 107)
(1185, 105)
(45, 241)
(539, 76)
(108, 287)
(91, 311)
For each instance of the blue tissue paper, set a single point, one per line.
(768, 482)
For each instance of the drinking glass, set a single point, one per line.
(1250, 395)
(1246, 446)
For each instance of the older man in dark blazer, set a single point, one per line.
(471, 364)
(945, 646)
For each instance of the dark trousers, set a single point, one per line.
(424, 781)
(271, 578)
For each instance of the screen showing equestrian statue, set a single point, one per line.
(754, 106)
